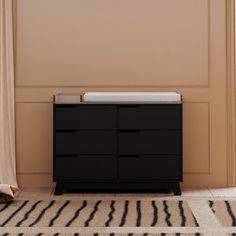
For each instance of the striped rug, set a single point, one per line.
(225, 211)
(99, 213)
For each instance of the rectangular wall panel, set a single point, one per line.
(34, 137)
(115, 43)
(196, 137)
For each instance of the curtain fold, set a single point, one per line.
(8, 183)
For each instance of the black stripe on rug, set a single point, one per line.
(155, 214)
(195, 221)
(110, 215)
(76, 215)
(230, 212)
(14, 213)
(5, 206)
(26, 216)
(211, 204)
(181, 212)
(168, 215)
(58, 213)
(92, 214)
(139, 216)
(125, 213)
(42, 214)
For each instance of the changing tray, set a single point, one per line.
(132, 97)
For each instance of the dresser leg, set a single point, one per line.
(176, 189)
(59, 189)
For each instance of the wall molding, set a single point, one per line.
(208, 172)
(112, 86)
(52, 102)
(206, 84)
(197, 172)
(230, 91)
(51, 173)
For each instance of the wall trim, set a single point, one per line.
(112, 86)
(51, 173)
(206, 84)
(230, 92)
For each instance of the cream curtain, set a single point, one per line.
(8, 184)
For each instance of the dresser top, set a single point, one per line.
(119, 97)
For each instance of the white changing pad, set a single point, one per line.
(129, 97)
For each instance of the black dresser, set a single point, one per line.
(117, 147)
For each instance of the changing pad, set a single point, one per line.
(132, 97)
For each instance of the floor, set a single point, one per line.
(196, 198)
(47, 192)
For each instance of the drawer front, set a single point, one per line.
(150, 117)
(149, 168)
(150, 142)
(85, 168)
(85, 142)
(69, 117)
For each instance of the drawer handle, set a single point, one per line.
(129, 131)
(66, 131)
(129, 106)
(65, 105)
(134, 155)
(69, 155)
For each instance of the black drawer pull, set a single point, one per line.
(69, 155)
(66, 131)
(135, 155)
(129, 131)
(129, 106)
(65, 105)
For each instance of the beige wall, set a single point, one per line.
(126, 45)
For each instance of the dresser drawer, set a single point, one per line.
(150, 142)
(72, 117)
(85, 168)
(149, 168)
(85, 142)
(149, 116)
